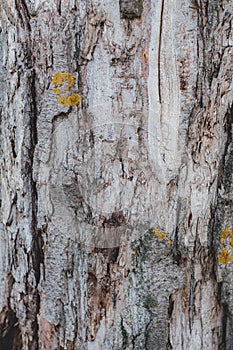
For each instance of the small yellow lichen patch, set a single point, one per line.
(62, 101)
(224, 256)
(73, 99)
(56, 91)
(64, 95)
(161, 235)
(225, 233)
(60, 78)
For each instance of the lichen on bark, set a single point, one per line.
(112, 209)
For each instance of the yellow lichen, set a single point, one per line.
(66, 80)
(73, 99)
(161, 235)
(60, 78)
(56, 91)
(62, 100)
(226, 233)
(224, 256)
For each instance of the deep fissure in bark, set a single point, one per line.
(10, 334)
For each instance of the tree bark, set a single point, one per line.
(116, 209)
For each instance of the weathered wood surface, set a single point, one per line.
(150, 145)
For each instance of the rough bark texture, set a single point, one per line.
(82, 187)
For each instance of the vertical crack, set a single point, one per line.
(37, 250)
(159, 50)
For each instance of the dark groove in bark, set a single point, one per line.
(10, 335)
(191, 293)
(23, 13)
(170, 310)
(159, 51)
(37, 250)
(223, 344)
(124, 336)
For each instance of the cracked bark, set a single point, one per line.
(150, 145)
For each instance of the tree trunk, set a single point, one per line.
(116, 210)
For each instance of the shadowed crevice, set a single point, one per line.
(10, 334)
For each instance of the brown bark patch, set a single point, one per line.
(48, 333)
(102, 287)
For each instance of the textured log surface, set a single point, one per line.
(83, 186)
